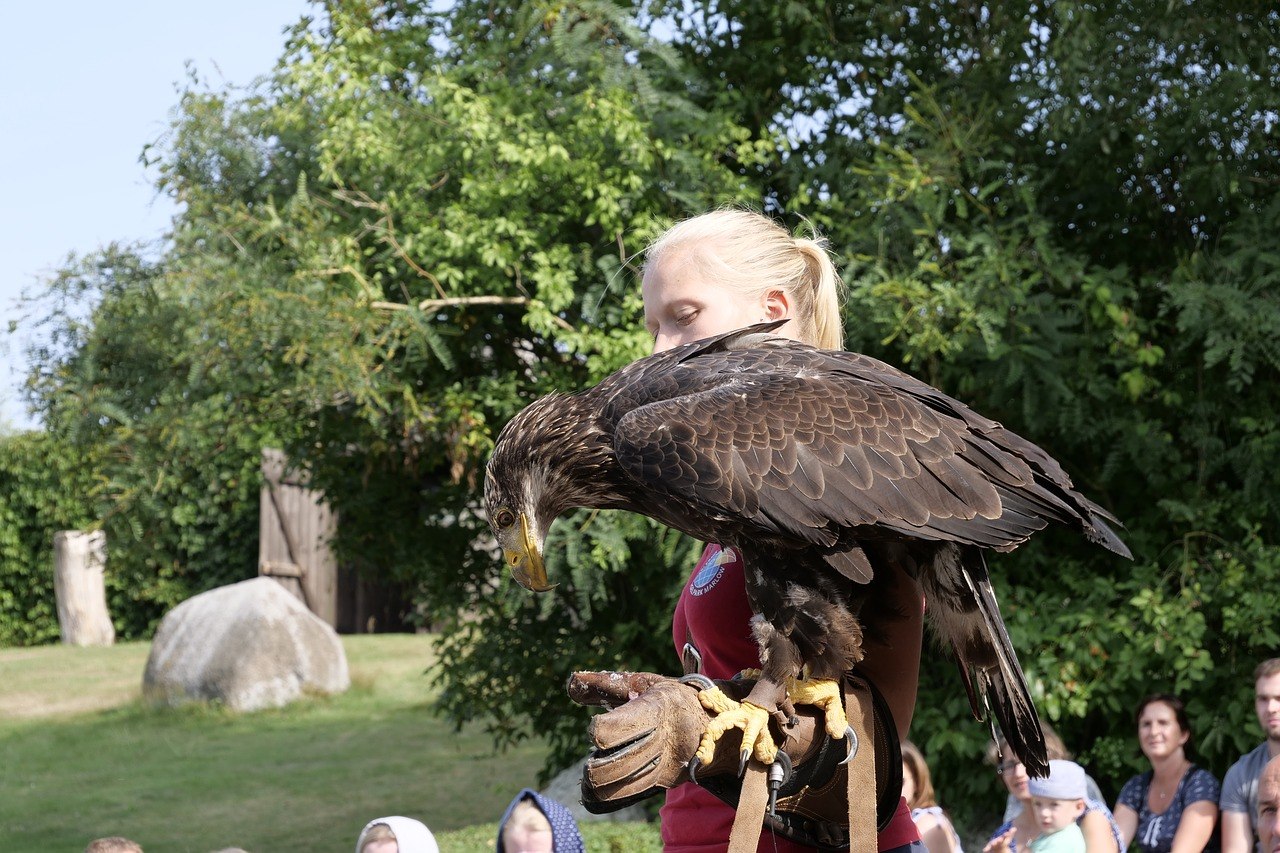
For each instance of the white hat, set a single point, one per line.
(412, 836)
(1066, 781)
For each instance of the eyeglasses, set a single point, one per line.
(1007, 767)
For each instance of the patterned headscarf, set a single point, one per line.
(564, 829)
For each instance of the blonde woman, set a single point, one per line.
(716, 273)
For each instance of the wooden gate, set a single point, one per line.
(294, 528)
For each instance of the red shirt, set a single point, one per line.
(713, 614)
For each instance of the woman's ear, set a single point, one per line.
(777, 304)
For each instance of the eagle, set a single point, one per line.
(821, 468)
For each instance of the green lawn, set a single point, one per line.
(80, 757)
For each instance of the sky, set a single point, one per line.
(85, 85)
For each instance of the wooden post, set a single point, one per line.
(78, 562)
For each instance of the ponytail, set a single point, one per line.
(827, 293)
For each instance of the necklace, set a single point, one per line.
(1165, 790)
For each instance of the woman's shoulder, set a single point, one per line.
(926, 819)
(1202, 785)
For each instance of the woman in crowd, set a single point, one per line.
(1101, 832)
(935, 828)
(1173, 807)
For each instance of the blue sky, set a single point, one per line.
(85, 86)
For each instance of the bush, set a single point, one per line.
(43, 489)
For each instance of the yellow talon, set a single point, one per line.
(715, 700)
(754, 722)
(824, 694)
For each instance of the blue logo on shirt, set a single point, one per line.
(710, 572)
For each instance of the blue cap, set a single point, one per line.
(1066, 781)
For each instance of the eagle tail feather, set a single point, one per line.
(1013, 706)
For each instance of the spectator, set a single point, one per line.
(936, 830)
(1097, 825)
(396, 834)
(113, 844)
(1058, 802)
(533, 823)
(1269, 807)
(1239, 802)
(997, 750)
(1173, 807)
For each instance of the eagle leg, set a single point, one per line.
(751, 718)
(825, 694)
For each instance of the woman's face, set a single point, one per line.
(908, 784)
(1014, 775)
(1159, 734)
(681, 306)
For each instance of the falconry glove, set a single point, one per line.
(643, 745)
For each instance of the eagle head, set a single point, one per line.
(550, 458)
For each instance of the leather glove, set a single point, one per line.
(643, 743)
(642, 746)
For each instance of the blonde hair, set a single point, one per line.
(924, 797)
(377, 832)
(113, 844)
(751, 254)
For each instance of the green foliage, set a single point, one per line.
(43, 489)
(171, 452)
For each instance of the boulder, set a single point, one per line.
(249, 645)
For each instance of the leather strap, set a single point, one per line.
(862, 767)
(748, 821)
(753, 797)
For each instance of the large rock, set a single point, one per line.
(249, 645)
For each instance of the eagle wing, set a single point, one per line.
(804, 444)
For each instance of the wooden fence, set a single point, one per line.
(295, 527)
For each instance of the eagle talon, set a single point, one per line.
(852, 737)
(743, 758)
(694, 764)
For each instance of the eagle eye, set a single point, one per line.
(504, 518)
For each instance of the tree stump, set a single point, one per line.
(78, 562)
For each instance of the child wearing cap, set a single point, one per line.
(1058, 800)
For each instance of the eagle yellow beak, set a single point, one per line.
(525, 561)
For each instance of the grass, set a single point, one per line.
(82, 757)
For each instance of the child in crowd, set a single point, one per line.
(396, 834)
(1058, 801)
(113, 844)
(537, 824)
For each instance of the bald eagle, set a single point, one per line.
(822, 468)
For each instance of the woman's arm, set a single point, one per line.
(892, 663)
(1196, 827)
(1127, 820)
(1097, 833)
